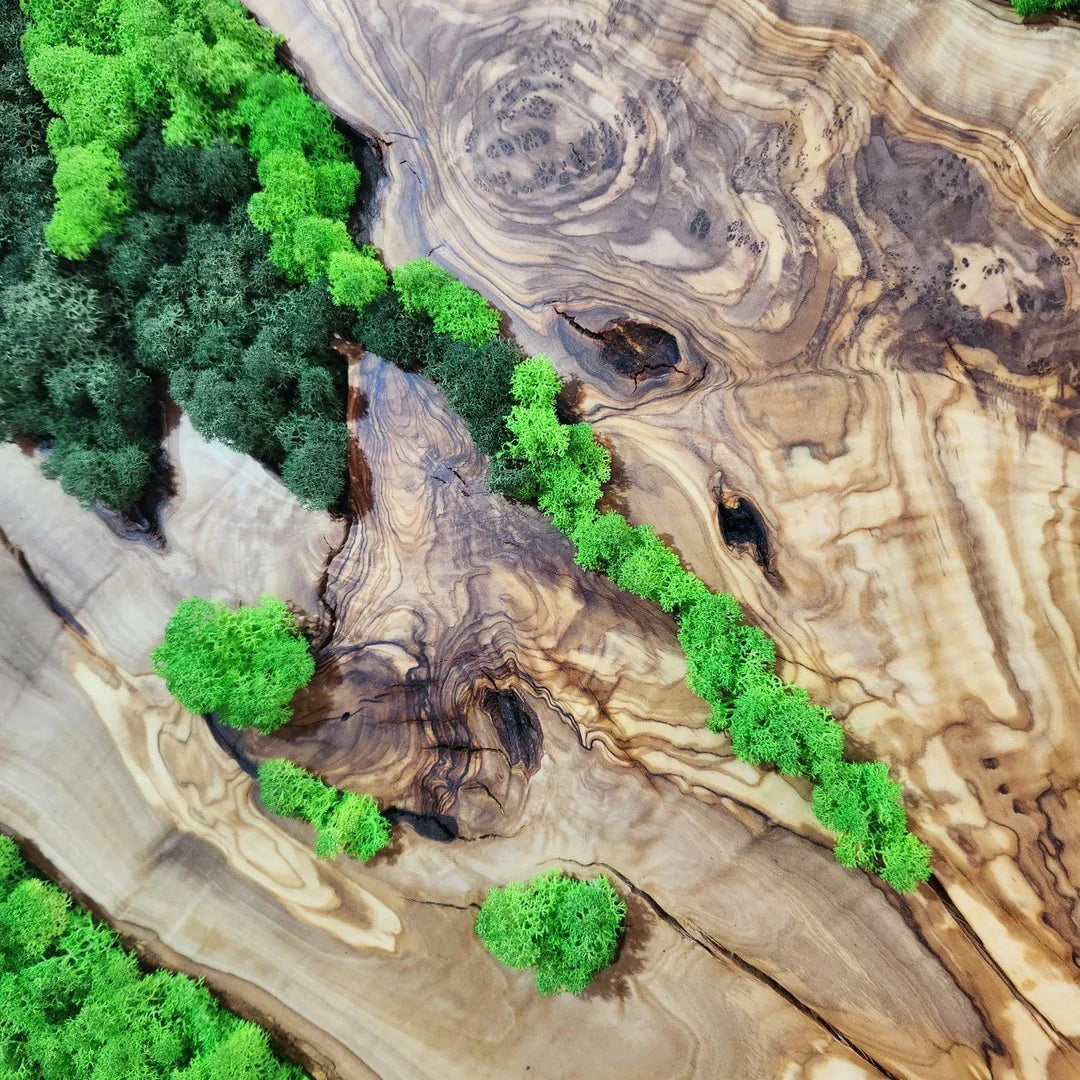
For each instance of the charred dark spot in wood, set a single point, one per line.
(700, 225)
(741, 523)
(638, 349)
(231, 740)
(439, 827)
(368, 155)
(516, 725)
(635, 349)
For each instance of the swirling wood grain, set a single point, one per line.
(858, 223)
(811, 269)
(361, 971)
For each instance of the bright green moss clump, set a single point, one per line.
(423, 287)
(731, 665)
(569, 466)
(567, 929)
(1041, 7)
(207, 70)
(74, 1004)
(243, 665)
(344, 820)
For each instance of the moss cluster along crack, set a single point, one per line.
(344, 820)
(74, 1003)
(563, 469)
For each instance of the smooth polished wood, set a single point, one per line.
(857, 223)
(813, 263)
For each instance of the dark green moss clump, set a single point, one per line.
(475, 377)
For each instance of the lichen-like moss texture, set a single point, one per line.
(244, 665)
(568, 930)
(74, 1004)
(344, 820)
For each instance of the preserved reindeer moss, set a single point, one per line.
(243, 665)
(185, 292)
(74, 1004)
(731, 664)
(208, 72)
(567, 929)
(344, 820)
(454, 308)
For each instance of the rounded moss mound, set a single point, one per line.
(567, 929)
(244, 665)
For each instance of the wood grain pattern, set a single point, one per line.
(136, 805)
(498, 700)
(859, 227)
(811, 269)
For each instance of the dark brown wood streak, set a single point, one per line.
(810, 270)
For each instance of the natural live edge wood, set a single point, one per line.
(479, 685)
(364, 971)
(858, 221)
(914, 464)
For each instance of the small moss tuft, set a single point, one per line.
(344, 820)
(453, 307)
(565, 928)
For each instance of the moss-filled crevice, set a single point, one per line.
(239, 314)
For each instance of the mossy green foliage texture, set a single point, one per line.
(344, 820)
(209, 73)
(204, 195)
(454, 309)
(1028, 8)
(244, 665)
(731, 664)
(74, 1004)
(67, 378)
(568, 930)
